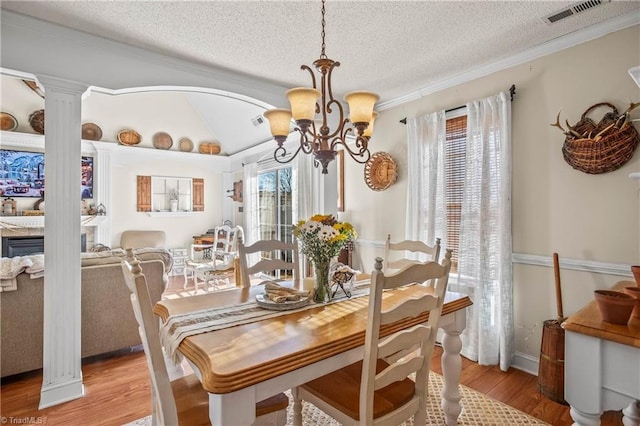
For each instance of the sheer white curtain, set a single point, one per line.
(425, 219)
(484, 265)
(250, 203)
(302, 183)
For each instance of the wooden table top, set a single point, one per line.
(589, 321)
(236, 357)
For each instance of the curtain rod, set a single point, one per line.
(512, 94)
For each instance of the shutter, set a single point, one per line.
(144, 193)
(198, 194)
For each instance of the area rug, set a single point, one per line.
(477, 409)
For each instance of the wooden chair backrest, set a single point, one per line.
(276, 261)
(407, 351)
(164, 403)
(424, 252)
(223, 239)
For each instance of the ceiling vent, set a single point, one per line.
(257, 120)
(573, 10)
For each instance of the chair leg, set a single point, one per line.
(297, 407)
(194, 276)
(185, 271)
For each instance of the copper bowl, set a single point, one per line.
(635, 269)
(635, 292)
(615, 306)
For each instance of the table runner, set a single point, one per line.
(178, 327)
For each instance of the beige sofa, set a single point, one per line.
(107, 317)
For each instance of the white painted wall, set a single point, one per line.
(555, 208)
(179, 229)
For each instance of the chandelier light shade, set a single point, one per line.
(279, 121)
(303, 103)
(361, 106)
(311, 108)
(369, 130)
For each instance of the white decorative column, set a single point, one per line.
(62, 374)
(102, 189)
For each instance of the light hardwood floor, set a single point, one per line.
(117, 391)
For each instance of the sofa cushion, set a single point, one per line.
(117, 255)
(139, 239)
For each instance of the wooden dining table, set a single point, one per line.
(243, 364)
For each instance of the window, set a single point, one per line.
(275, 206)
(454, 165)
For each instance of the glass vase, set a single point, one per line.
(322, 291)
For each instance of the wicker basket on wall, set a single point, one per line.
(601, 147)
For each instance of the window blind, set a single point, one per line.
(455, 146)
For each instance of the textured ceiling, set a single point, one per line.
(390, 47)
(394, 48)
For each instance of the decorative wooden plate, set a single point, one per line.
(8, 121)
(380, 172)
(91, 132)
(129, 137)
(162, 140)
(36, 120)
(209, 148)
(185, 145)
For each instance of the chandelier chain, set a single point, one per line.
(322, 53)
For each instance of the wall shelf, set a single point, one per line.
(124, 153)
(16, 222)
(172, 214)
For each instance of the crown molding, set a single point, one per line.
(572, 39)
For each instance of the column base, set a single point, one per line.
(57, 393)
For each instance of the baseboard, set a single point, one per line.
(527, 363)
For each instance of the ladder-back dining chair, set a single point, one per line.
(274, 255)
(379, 390)
(222, 264)
(421, 250)
(200, 255)
(182, 401)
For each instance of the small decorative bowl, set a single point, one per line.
(615, 306)
(635, 292)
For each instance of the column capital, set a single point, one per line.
(60, 84)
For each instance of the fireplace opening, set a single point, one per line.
(32, 244)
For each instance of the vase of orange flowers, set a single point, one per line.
(321, 238)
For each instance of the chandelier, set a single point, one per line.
(311, 108)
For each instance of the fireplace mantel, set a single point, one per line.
(13, 222)
(101, 151)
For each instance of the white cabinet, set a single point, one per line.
(171, 194)
(179, 256)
